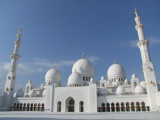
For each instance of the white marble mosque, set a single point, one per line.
(82, 93)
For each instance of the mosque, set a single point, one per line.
(82, 93)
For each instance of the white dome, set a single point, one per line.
(116, 71)
(102, 91)
(32, 93)
(75, 79)
(142, 83)
(139, 89)
(44, 93)
(83, 66)
(92, 80)
(53, 76)
(120, 90)
(19, 93)
(133, 76)
(102, 78)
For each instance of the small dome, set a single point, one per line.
(83, 66)
(116, 71)
(53, 76)
(107, 82)
(102, 91)
(102, 78)
(32, 93)
(19, 93)
(75, 79)
(133, 76)
(30, 81)
(142, 83)
(120, 90)
(44, 93)
(92, 80)
(139, 89)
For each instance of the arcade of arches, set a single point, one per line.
(70, 106)
(123, 107)
(28, 107)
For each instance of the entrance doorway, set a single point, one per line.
(70, 105)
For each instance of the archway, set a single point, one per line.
(108, 107)
(112, 107)
(132, 106)
(81, 109)
(138, 106)
(143, 106)
(117, 107)
(122, 107)
(103, 107)
(70, 105)
(127, 107)
(58, 106)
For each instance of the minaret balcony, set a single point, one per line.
(17, 42)
(15, 56)
(138, 26)
(142, 42)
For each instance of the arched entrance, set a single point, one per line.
(70, 105)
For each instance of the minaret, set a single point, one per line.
(11, 76)
(148, 69)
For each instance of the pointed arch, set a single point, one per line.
(20, 107)
(39, 105)
(108, 107)
(143, 106)
(117, 107)
(127, 107)
(122, 107)
(103, 107)
(138, 106)
(112, 107)
(70, 104)
(132, 106)
(81, 106)
(35, 107)
(59, 106)
(28, 107)
(42, 108)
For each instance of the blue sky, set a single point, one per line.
(59, 31)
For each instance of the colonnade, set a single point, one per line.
(28, 107)
(123, 107)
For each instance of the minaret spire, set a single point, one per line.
(11, 77)
(136, 12)
(148, 69)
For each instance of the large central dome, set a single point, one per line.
(83, 66)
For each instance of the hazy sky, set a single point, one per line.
(59, 31)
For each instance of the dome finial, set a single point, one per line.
(82, 55)
(136, 12)
(54, 66)
(114, 61)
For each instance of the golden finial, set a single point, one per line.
(82, 55)
(20, 30)
(136, 12)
